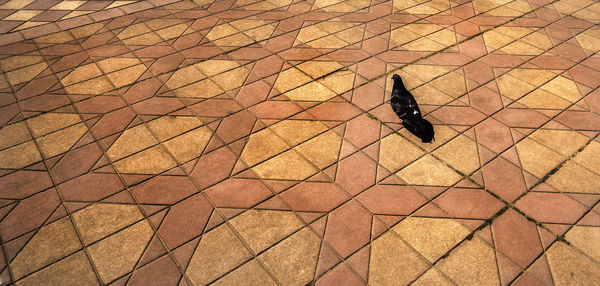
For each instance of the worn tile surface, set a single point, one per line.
(251, 142)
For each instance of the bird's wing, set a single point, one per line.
(402, 107)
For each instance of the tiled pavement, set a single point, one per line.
(170, 142)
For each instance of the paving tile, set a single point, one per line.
(516, 237)
(551, 207)
(251, 273)
(100, 220)
(348, 228)
(73, 270)
(469, 203)
(471, 263)
(185, 220)
(263, 228)
(568, 265)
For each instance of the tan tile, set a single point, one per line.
(563, 87)
(81, 73)
(442, 135)
(286, 166)
(118, 254)
(56, 38)
(317, 69)
(485, 5)
(290, 79)
(589, 40)
(322, 150)
(184, 76)
(495, 40)
(25, 74)
(402, 5)
(157, 24)
(221, 31)
(590, 156)
(172, 32)
(396, 152)
(512, 87)
(424, 73)
(51, 243)
(393, 262)
(310, 33)
(231, 79)
(143, 40)
(564, 142)
(532, 76)
(62, 140)
(151, 161)
(297, 131)
(432, 277)
(461, 153)
(218, 252)
(19, 156)
(15, 4)
(236, 40)
(423, 45)
(67, 5)
(263, 228)
(589, 13)
(113, 64)
(260, 33)
(539, 40)
(13, 134)
(99, 220)
(572, 178)
(432, 237)
(85, 31)
(76, 13)
(119, 3)
(50, 122)
(3, 82)
(452, 84)
(540, 98)
(339, 82)
(586, 239)
(429, 171)
(536, 158)
(215, 67)
(201, 89)
(401, 36)
(15, 62)
(72, 271)
(132, 140)
(570, 267)
(472, 263)
(93, 86)
(133, 30)
(293, 261)
(167, 127)
(521, 48)
(426, 94)
(261, 146)
(250, 273)
(189, 145)
(313, 91)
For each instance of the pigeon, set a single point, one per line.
(405, 106)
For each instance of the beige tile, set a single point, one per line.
(563, 87)
(133, 30)
(19, 156)
(461, 153)
(296, 131)
(565, 142)
(250, 273)
(589, 40)
(15, 62)
(126, 76)
(536, 158)
(218, 252)
(286, 166)
(201, 89)
(15, 4)
(99, 220)
(189, 145)
(393, 262)
(167, 127)
(590, 156)
(293, 261)
(539, 40)
(442, 135)
(67, 5)
(423, 45)
(184, 76)
(472, 263)
(172, 32)
(396, 152)
(50, 122)
(260, 33)
(85, 31)
(118, 254)
(572, 178)
(339, 82)
(81, 73)
(424, 73)
(215, 67)
(535, 77)
(74, 270)
(452, 84)
(143, 40)
(132, 140)
(313, 91)
(495, 39)
(95, 86)
(261, 146)
(432, 277)
(290, 79)
(401, 36)
(62, 140)
(429, 171)
(570, 267)
(586, 239)
(151, 161)
(221, 31)
(310, 33)
(13, 134)
(231, 79)
(263, 228)
(432, 237)
(540, 98)
(56, 38)
(51, 243)
(512, 87)
(157, 24)
(25, 74)
(521, 48)
(322, 150)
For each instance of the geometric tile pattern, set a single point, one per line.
(178, 142)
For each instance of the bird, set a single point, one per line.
(405, 106)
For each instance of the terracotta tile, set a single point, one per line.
(21, 184)
(551, 207)
(314, 196)
(91, 187)
(185, 221)
(341, 275)
(468, 203)
(213, 167)
(236, 126)
(391, 200)
(238, 193)
(161, 271)
(348, 228)
(29, 214)
(494, 135)
(163, 190)
(504, 179)
(352, 181)
(516, 237)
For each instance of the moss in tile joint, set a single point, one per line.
(372, 116)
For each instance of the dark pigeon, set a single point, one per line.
(405, 106)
